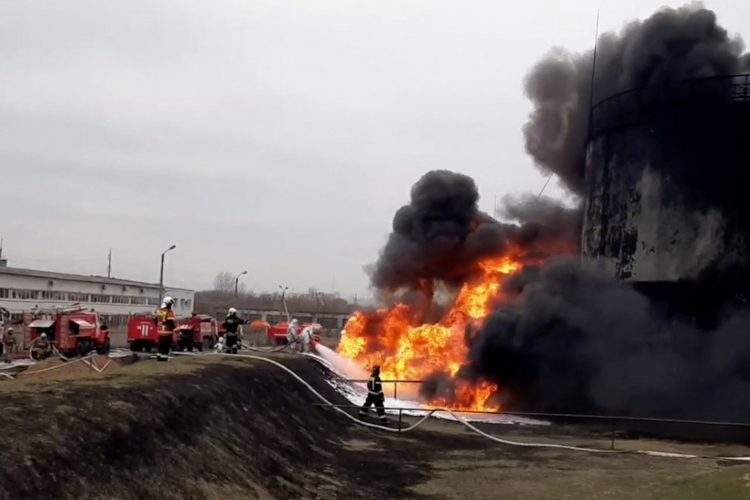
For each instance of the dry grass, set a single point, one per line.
(217, 427)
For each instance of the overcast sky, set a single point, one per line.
(273, 136)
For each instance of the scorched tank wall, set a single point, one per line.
(667, 187)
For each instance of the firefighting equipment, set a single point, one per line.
(232, 311)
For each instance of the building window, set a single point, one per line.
(4, 292)
(153, 301)
(53, 295)
(100, 299)
(119, 299)
(25, 294)
(78, 297)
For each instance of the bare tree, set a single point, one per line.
(224, 282)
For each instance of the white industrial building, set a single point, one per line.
(27, 290)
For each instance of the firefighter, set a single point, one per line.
(9, 343)
(374, 396)
(40, 347)
(291, 334)
(232, 330)
(306, 339)
(166, 320)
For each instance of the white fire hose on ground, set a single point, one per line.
(466, 423)
(88, 361)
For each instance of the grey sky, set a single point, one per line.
(273, 136)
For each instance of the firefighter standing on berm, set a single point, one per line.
(232, 330)
(374, 395)
(166, 321)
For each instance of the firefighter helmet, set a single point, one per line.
(44, 336)
(232, 311)
(168, 301)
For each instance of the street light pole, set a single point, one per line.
(161, 272)
(237, 283)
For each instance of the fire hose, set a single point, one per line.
(466, 423)
(89, 361)
(260, 349)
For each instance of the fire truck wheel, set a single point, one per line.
(135, 346)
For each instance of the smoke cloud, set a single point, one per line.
(441, 235)
(669, 46)
(569, 339)
(563, 338)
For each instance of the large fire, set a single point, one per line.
(407, 349)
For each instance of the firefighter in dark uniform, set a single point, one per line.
(232, 330)
(166, 320)
(374, 395)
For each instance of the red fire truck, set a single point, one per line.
(143, 334)
(73, 331)
(199, 331)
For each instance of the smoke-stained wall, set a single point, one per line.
(666, 182)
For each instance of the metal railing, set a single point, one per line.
(395, 383)
(610, 419)
(633, 106)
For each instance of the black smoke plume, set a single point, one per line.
(441, 235)
(553, 225)
(670, 46)
(572, 340)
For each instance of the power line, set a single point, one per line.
(545, 185)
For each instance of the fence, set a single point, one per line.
(394, 382)
(653, 425)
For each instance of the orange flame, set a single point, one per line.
(408, 350)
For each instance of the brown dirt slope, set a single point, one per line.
(198, 429)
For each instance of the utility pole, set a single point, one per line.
(283, 301)
(3, 261)
(109, 264)
(161, 272)
(237, 283)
